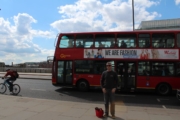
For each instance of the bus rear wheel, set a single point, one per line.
(83, 85)
(163, 89)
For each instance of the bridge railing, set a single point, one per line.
(28, 70)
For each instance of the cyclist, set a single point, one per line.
(11, 79)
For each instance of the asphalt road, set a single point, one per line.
(44, 89)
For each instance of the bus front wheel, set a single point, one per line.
(163, 89)
(83, 85)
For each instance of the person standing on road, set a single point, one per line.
(12, 78)
(109, 81)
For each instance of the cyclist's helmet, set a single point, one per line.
(7, 69)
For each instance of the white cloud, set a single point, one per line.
(93, 15)
(145, 3)
(177, 2)
(16, 40)
(23, 23)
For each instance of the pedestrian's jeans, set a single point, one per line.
(10, 83)
(109, 98)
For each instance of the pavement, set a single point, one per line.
(24, 108)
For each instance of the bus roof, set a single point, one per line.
(135, 31)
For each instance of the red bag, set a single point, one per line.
(99, 112)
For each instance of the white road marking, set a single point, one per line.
(164, 106)
(38, 89)
(158, 100)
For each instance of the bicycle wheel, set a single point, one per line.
(16, 89)
(2, 88)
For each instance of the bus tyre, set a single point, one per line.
(83, 85)
(163, 89)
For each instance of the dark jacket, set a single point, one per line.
(11, 73)
(109, 79)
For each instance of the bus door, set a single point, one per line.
(126, 75)
(64, 74)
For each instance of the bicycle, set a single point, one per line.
(3, 87)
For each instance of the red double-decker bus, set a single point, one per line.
(143, 59)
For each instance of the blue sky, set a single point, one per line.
(29, 27)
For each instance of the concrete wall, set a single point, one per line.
(28, 70)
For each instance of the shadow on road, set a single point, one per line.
(143, 99)
(91, 95)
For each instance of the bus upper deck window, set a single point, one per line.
(144, 41)
(105, 40)
(163, 40)
(84, 40)
(126, 41)
(178, 40)
(67, 41)
(79, 44)
(70, 44)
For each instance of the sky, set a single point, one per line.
(28, 28)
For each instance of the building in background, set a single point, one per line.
(43, 64)
(168, 24)
(2, 64)
(27, 65)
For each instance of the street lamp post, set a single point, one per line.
(133, 13)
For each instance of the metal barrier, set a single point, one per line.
(28, 70)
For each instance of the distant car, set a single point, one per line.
(178, 94)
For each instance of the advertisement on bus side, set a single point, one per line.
(132, 53)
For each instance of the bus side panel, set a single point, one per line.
(96, 80)
(54, 79)
(93, 80)
(174, 82)
(70, 54)
(143, 82)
